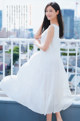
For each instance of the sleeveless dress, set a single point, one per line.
(41, 84)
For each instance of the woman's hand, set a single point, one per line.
(36, 42)
(37, 36)
(39, 45)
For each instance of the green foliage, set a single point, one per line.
(16, 49)
(31, 46)
(70, 54)
(62, 49)
(15, 56)
(15, 53)
(66, 50)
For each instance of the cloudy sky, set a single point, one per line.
(38, 8)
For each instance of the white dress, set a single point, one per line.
(41, 84)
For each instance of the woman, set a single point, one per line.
(52, 16)
(41, 84)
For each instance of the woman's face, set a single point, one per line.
(51, 13)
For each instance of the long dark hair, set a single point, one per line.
(46, 22)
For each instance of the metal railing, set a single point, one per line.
(65, 46)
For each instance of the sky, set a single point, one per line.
(38, 8)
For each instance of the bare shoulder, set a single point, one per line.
(51, 28)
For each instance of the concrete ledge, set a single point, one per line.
(13, 111)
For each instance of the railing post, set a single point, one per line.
(3, 59)
(19, 54)
(76, 69)
(12, 57)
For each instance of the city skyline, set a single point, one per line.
(38, 9)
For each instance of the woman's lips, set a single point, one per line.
(49, 16)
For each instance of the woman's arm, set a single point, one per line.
(48, 40)
(38, 33)
(37, 36)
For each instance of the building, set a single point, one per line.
(77, 28)
(68, 19)
(0, 19)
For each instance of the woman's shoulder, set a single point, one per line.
(51, 28)
(54, 25)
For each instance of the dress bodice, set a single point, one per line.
(55, 44)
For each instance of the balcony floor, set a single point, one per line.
(13, 111)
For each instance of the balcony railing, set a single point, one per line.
(69, 50)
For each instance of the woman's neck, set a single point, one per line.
(54, 21)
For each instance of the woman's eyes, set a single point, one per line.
(49, 11)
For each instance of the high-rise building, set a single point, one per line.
(68, 19)
(77, 28)
(0, 19)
